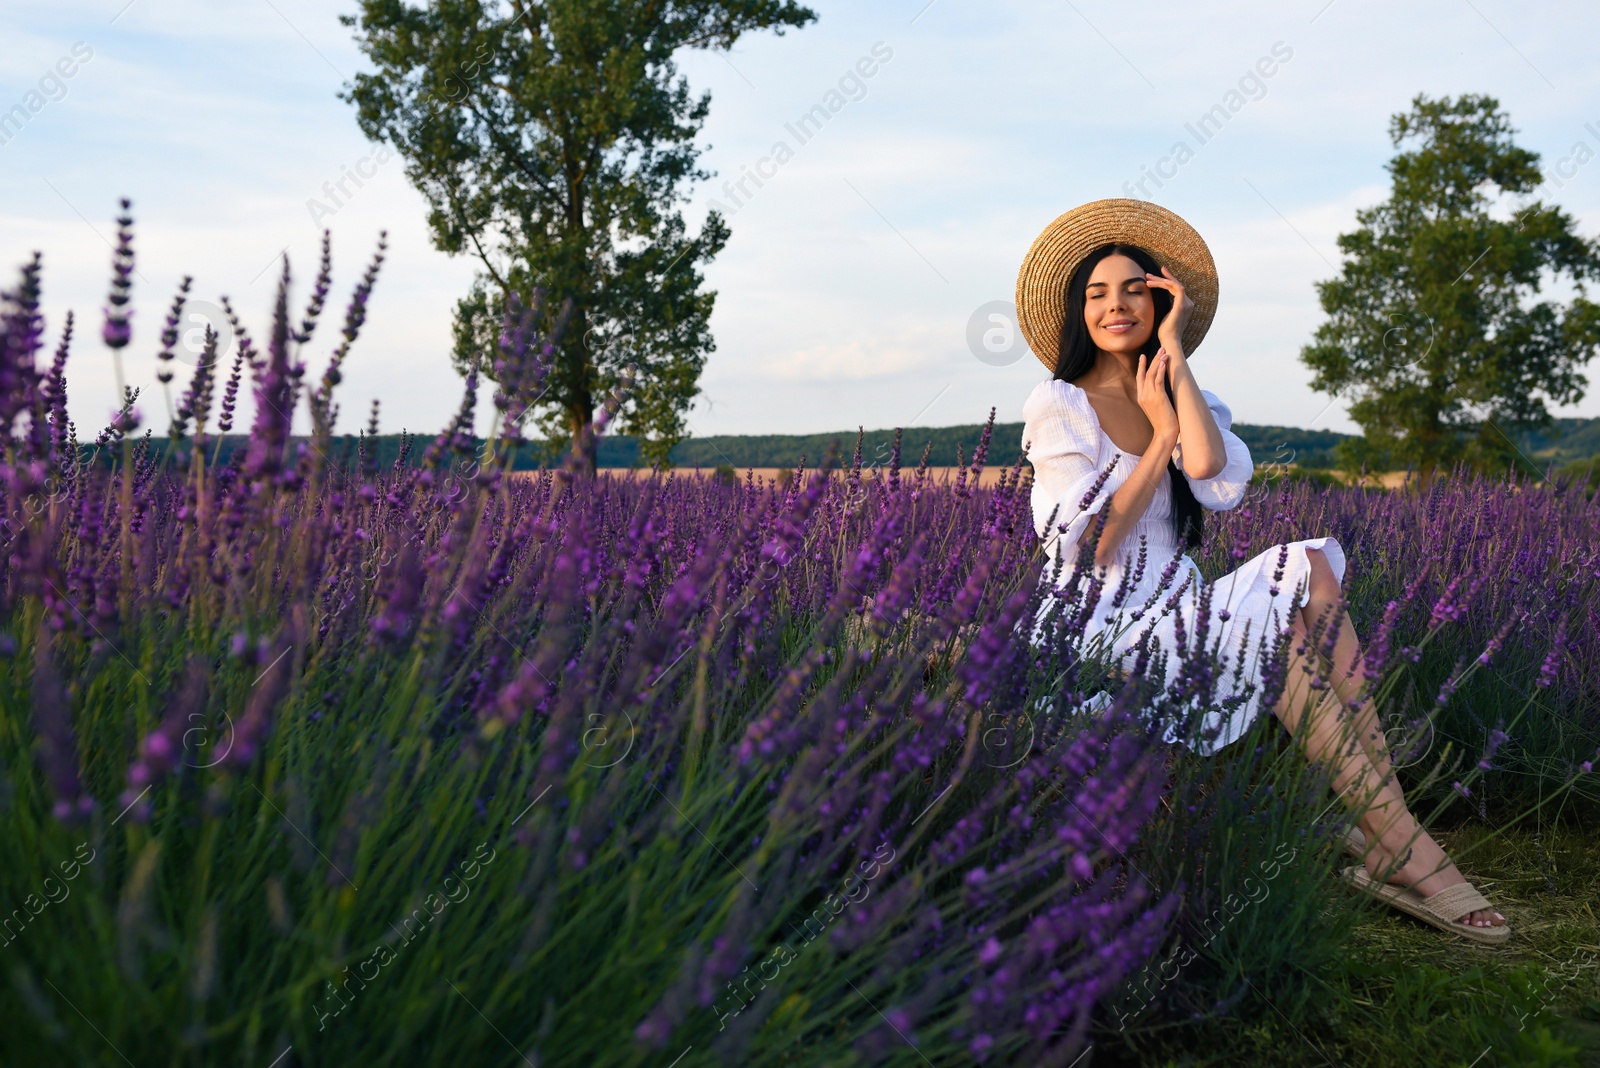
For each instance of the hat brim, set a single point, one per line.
(1057, 252)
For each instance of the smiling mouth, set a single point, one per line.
(1121, 326)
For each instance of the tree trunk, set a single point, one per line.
(1432, 434)
(579, 399)
(583, 441)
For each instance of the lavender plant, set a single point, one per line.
(1511, 569)
(436, 764)
(1476, 603)
(441, 763)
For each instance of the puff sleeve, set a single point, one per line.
(1227, 488)
(1062, 437)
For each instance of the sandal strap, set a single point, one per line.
(1454, 902)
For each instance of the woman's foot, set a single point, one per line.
(1423, 867)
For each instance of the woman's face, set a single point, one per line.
(1117, 307)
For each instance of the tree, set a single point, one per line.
(554, 141)
(1433, 325)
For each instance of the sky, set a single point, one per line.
(863, 270)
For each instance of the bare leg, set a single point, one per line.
(1346, 668)
(1399, 848)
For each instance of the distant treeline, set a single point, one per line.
(1565, 441)
(948, 446)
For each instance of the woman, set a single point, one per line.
(1113, 297)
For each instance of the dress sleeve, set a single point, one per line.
(1227, 488)
(1062, 438)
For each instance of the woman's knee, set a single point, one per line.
(1324, 583)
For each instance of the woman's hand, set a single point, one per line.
(1131, 502)
(1171, 328)
(1153, 399)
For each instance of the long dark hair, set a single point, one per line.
(1077, 358)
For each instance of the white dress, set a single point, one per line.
(1068, 451)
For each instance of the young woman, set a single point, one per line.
(1113, 297)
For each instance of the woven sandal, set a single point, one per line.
(1442, 910)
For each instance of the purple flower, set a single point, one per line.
(1493, 648)
(230, 394)
(118, 329)
(1551, 668)
(52, 718)
(169, 332)
(1241, 543)
(1099, 483)
(161, 748)
(1448, 608)
(1497, 737)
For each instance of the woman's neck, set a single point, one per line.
(1113, 372)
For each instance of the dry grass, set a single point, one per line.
(989, 477)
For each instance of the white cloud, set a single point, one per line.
(221, 120)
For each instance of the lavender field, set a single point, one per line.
(307, 762)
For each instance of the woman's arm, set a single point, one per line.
(1204, 454)
(1130, 502)
(1226, 488)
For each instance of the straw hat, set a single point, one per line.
(1056, 253)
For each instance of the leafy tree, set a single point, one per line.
(1433, 325)
(555, 141)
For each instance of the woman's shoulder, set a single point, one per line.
(1058, 415)
(1054, 397)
